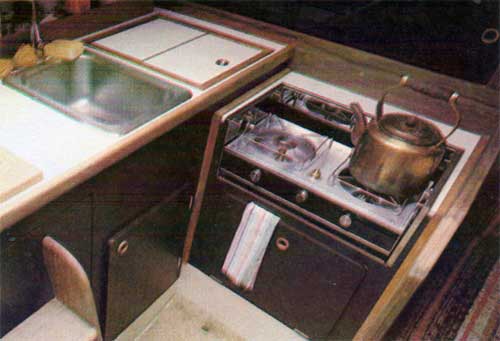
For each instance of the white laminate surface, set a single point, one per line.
(53, 321)
(148, 39)
(217, 304)
(196, 60)
(45, 137)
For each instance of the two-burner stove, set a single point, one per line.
(293, 147)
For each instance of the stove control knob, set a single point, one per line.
(301, 196)
(255, 175)
(345, 220)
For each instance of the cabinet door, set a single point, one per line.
(204, 60)
(149, 39)
(144, 260)
(307, 286)
(131, 187)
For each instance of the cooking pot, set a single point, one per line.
(396, 154)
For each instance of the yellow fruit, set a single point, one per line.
(64, 49)
(6, 67)
(25, 56)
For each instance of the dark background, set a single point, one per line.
(442, 36)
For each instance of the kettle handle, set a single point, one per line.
(380, 105)
(452, 101)
(361, 123)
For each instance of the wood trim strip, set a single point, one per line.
(118, 28)
(216, 79)
(235, 21)
(17, 209)
(200, 190)
(433, 240)
(186, 22)
(217, 120)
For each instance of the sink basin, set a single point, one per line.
(100, 92)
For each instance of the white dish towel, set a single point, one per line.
(249, 245)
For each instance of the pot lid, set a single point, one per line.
(410, 129)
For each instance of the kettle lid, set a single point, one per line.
(410, 129)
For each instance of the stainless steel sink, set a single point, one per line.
(100, 92)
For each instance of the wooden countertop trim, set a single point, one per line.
(235, 21)
(430, 245)
(39, 196)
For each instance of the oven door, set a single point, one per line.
(302, 282)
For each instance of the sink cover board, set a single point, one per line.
(191, 52)
(149, 39)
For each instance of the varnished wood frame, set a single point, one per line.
(185, 22)
(431, 243)
(208, 156)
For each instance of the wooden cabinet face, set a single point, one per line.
(149, 39)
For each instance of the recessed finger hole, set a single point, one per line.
(282, 244)
(122, 248)
(490, 36)
(222, 62)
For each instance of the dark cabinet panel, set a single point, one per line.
(130, 188)
(143, 261)
(308, 286)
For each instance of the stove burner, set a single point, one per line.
(329, 112)
(284, 146)
(360, 192)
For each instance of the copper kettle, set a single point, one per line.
(396, 154)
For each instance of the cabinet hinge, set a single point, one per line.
(191, 202)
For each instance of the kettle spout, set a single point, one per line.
(360, 125)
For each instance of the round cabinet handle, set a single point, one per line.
(122, 248)
(301, 196)
(282, 244)
(345, 220)
(255, 175)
